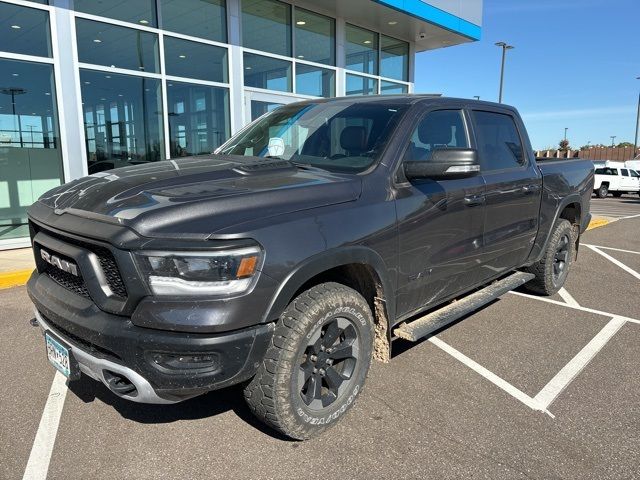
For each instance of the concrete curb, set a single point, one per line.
(598, 222)
(14, 279)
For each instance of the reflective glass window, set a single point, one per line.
(394, 58)
(319, 82)
(184, 58)
(361, 49)
(357, 85)
(30, 155)
(198, 18)
(114, 46)
(142, 12)
(24, 30)
(198, 118)
(267, 72)
(122, 119)
(266, 26)
(391, 87)
(315, 37)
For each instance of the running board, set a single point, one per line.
(437, 319)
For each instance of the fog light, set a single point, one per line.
(179, 362)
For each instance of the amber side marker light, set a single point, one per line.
(247, 267)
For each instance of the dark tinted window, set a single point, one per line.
(606, 171)
(440, 129)
(625, 172)
(499, 144)
(634, 173)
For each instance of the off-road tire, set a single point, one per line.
(275, 395)
(603, 191)
(546, 282)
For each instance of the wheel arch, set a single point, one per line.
(357, 267)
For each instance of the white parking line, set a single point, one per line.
(489, 375)
(568, 299)
(583, 309)
(614, 261)
(38, 464)
(610, 248)
(564, 377)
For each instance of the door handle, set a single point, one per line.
(530, 188)
(473, 200)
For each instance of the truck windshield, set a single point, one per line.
(335, 136)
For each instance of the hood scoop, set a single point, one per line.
(266, 166)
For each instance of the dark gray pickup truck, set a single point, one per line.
(299, 250)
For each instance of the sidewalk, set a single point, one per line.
(15, 267)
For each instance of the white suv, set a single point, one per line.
(615, 180)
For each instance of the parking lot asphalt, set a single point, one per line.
(526, 387)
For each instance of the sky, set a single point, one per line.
(574, 65)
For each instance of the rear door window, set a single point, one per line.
(625, 172)
(499, 143)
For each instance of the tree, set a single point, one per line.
(625, 145)
(564, 145)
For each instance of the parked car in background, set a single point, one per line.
(616, 180)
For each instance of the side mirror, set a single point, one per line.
(445, 163)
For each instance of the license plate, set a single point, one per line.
(58, 355)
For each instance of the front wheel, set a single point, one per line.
(603, 191)
(317, 363)
(552, 270)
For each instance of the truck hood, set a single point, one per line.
(197, 196)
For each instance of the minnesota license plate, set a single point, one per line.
(58, 355)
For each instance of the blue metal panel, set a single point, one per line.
(431, 14)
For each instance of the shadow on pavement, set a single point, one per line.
(203, 406)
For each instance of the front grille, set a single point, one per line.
(107, 263)
(68, 281)
(87, 346)
(110, 269)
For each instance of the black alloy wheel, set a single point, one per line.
(328, 362)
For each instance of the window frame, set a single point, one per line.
(516, 123)
(414, 120)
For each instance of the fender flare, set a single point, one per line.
(573, 198)
(324, 261)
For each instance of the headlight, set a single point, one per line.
(201, 273)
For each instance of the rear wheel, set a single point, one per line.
(552, 270)
(317, 363)
(603, 191)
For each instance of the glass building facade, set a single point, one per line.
(87, 86)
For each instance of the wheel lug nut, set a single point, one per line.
(322, 372)
(322, 347)
(315, 370)
(313, 358)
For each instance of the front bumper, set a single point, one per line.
(105, 344)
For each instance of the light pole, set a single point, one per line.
(505, 47)
(635, 142)
(477, 97)
(565, 133)
(613, 137)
